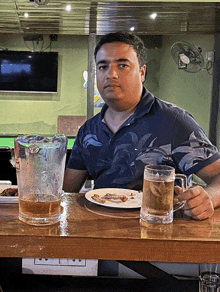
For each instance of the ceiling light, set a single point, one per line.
(153, 15)
(26, 15)
(132, 28)
(68, 7)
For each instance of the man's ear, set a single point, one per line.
(143, 73)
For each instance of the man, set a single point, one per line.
(135, 128)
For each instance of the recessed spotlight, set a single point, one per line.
(153, 15)
(68, 7)
(132, 28)
(26, 15)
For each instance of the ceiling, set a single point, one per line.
(101, 17)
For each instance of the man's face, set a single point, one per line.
(119, 76)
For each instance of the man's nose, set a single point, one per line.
(112, 72)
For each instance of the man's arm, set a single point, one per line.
(211, 176)
(74, 180)
(201, 201)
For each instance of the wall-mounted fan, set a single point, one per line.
(187, 57)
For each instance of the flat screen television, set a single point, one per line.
(24, 71)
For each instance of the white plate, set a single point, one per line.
(130, 203)
(8, 200)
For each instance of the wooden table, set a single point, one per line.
(90, 232)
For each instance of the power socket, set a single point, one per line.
(77, 262)
(48, 262)
(63, 266)
(209, 56)
(60, 262)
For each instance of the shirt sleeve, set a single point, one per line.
(76, 160)
(191, 148)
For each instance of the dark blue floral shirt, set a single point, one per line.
(157, 133)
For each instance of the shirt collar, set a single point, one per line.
(145, 103)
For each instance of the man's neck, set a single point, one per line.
(114, 119)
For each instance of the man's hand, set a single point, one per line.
(198, 204)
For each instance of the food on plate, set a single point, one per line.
(10, 192)
(112, 197)
(97, 198)
(115, 198)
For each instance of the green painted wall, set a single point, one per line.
(37, 113)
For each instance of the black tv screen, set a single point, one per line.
(23, 71)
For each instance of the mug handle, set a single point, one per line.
(178, 205)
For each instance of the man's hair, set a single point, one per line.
(126, 38)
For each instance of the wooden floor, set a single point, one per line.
(12, 280)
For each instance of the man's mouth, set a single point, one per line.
(111, 85)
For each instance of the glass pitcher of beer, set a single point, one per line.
(40, 164)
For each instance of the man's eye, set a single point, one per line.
(123, 65)
(103, 67)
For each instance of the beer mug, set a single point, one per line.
(158, 194)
